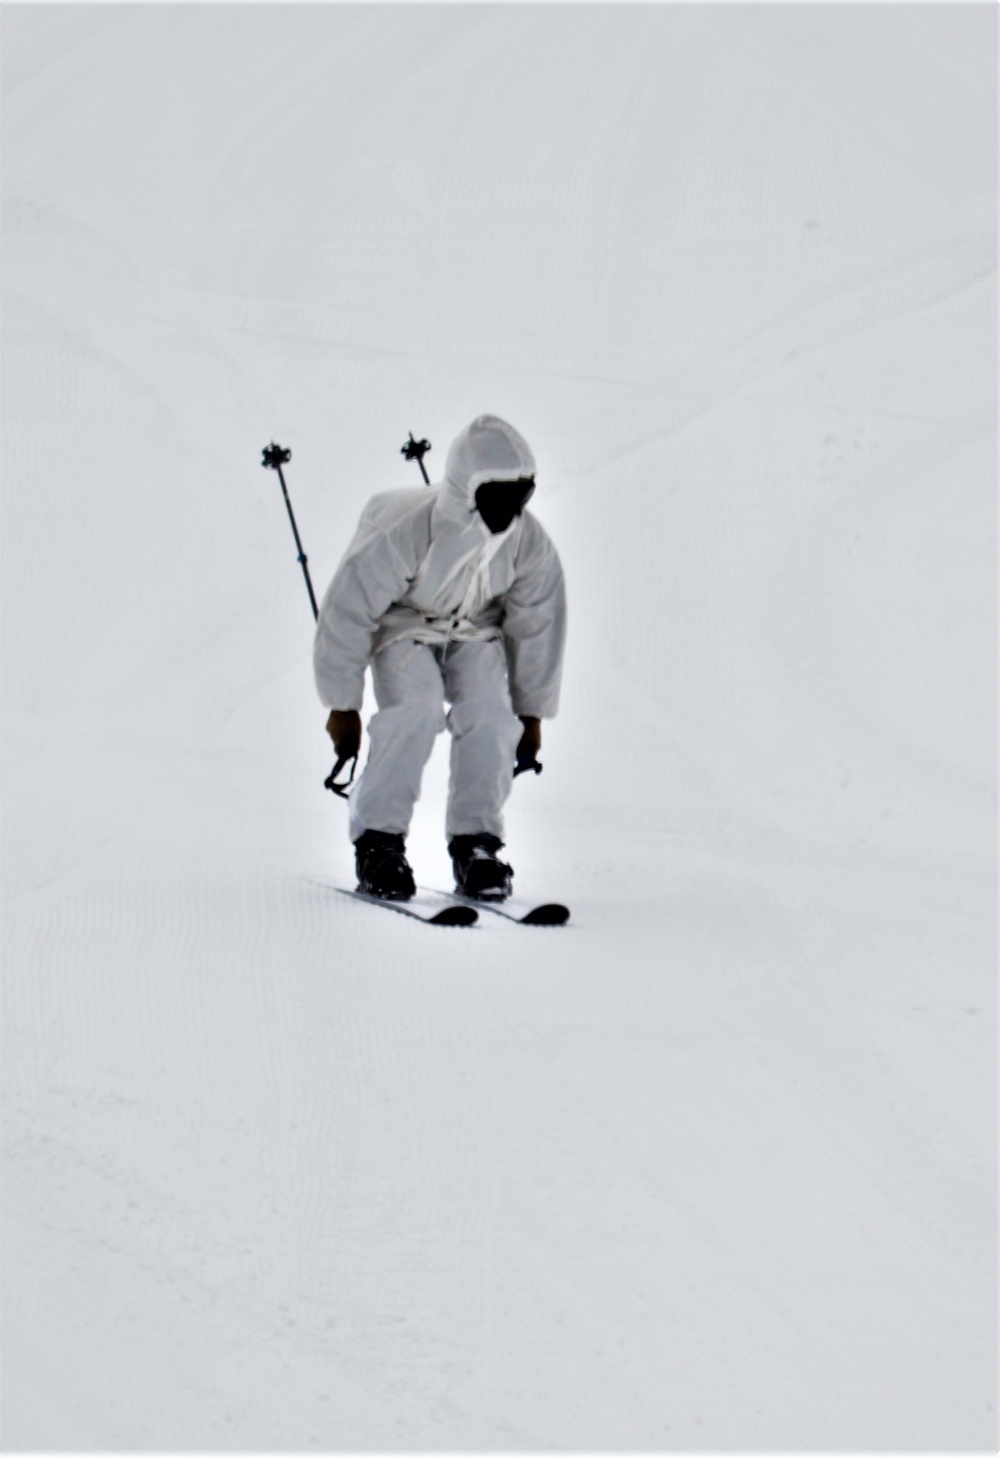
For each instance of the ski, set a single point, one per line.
(433, 907)
(526, 913)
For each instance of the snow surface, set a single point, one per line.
(713, 1168)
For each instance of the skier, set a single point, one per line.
(451, 595)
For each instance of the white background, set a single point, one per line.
(713, 1168)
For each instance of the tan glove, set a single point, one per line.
(344, 728)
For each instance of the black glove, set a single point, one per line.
(344, 728)
(529, 745)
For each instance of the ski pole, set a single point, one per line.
(415, 450)
(274, 457)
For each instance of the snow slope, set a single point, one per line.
(714, 1168)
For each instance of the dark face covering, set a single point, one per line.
(498, 502)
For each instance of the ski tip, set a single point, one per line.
(551, 914)
(455, 916)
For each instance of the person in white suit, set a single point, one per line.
(456, 596)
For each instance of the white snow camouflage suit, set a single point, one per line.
(444, 610)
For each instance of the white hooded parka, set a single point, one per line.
(424, 566)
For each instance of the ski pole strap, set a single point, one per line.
(524, 763)
(341, 787)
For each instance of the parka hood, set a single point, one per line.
(487, 450)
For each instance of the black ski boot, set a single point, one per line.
(478, 871)
(383, 869)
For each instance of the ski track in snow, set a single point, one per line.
(713, 1167)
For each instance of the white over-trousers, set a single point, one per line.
(412, 683)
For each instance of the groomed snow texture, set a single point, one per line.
(713, 1168)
